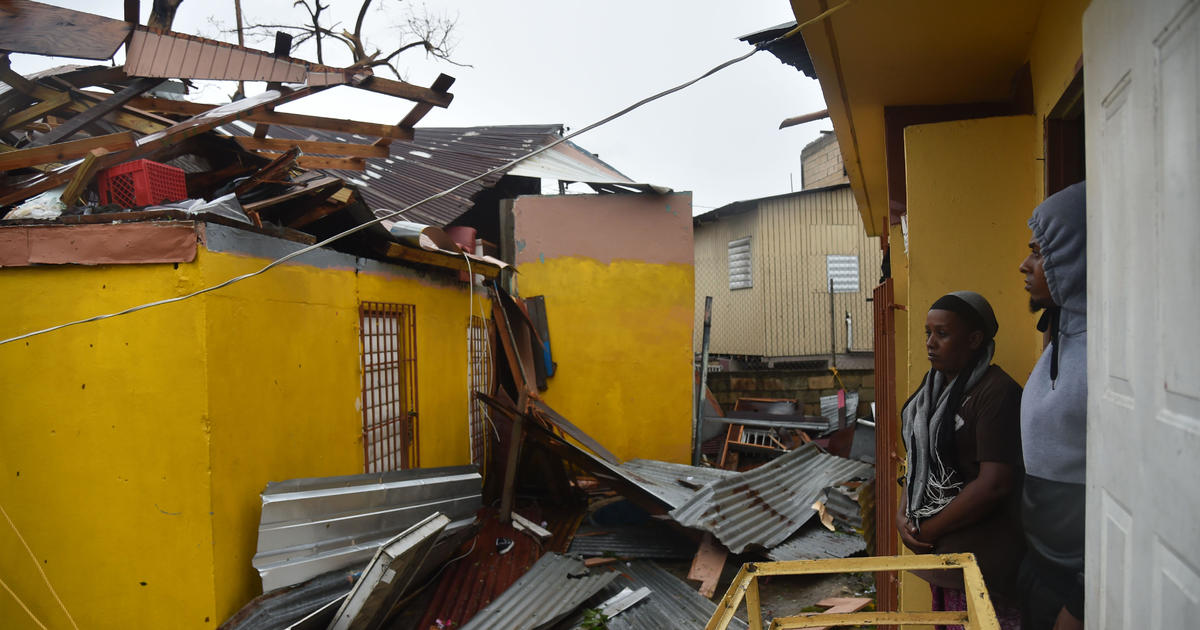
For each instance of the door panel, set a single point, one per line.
(1143, 143)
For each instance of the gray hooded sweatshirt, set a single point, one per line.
(1054, 411)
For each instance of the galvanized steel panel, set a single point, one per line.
(388, 575)
(645, 540)
(666, 480)
(311, 526)
(672, 603)
(550, 590)
(813, 541)
(762, 507)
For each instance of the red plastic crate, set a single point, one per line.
(141, 183)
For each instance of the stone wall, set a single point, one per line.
(807, 386)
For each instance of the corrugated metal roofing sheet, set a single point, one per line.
(813, 541)
(666, 480)
(310, 526)
(672, 603)
(646, 540)
(762, 507)
(438, 158)
(553, 587)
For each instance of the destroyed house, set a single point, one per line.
(139, 444)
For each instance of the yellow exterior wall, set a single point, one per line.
(1056, 47)
(152, 472)
(966, 224)
(617, 274)
(104, 450)
(621, 335)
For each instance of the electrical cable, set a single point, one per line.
(45, 579)
(400, 213)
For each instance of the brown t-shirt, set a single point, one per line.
(991, 432)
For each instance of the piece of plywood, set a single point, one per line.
(41, 29)
(708, 564)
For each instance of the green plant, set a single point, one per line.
(593, 619)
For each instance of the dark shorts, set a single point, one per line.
(1045, 589)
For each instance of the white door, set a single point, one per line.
(1142, 75)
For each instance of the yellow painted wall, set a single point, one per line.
(104, 450)
(966, 226)
(1056, 47)
(285, 387)
(616, 271)
(621, 335)
(142, 443)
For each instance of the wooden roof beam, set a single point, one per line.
(321, 162)
(440, 85)
(408, 91)
(32, 156)
(97, 111)
(309, 146)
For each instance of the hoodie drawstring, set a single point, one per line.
(1049, 321)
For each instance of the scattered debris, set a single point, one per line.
(388, 576)
(551, 590)
(311, 526)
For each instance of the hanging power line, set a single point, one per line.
(399, 213)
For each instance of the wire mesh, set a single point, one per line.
(388, 338)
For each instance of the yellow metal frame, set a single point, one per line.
(979, 614)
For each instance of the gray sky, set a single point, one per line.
(573, 62)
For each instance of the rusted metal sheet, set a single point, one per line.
(310, 526)
(41, 29)
(120, 244)
(169, 54)
(762, 507)
(651, 539)
(554, 587)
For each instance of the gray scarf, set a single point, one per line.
(931, 478)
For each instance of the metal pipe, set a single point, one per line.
(832, 329)
(849, 332)
(697, 421)
(803, 118)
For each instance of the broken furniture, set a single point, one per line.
(979, 614)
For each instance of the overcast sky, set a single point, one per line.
(573, 62)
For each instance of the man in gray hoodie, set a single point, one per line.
(1054, 415)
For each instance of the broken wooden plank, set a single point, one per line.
(524, 524)
(165, 139)
(23, 158)
(441, 85)
(334, 203)
(97, 111)
(318, 162)
(34, 112)
(840, 605)
(41, 29)
(598, 561)
(83, 174)
(407, 91)
(447, 260)
(708, 564)
(312, 146)
(271, 171)
(317, 187)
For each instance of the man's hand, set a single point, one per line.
(908, 535)
(1067, 621)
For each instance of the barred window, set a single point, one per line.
(388, 339)
(479, 373)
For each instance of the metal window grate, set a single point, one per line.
(740, 267)
(388, 342)
(842, 271)
(479, 374)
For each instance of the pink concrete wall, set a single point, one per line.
(645, 228)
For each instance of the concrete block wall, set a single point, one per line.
(821, 163)
(806, 386)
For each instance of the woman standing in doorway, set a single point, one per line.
(961, 429)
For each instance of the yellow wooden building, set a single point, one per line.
(955, 121)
